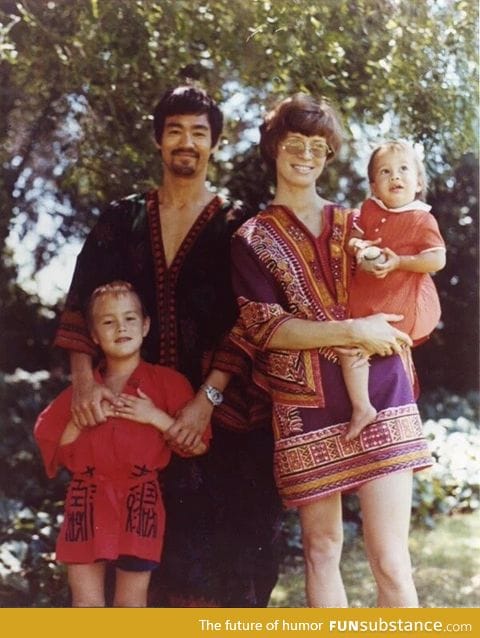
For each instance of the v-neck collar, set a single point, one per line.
(153, 207)
(304, 227)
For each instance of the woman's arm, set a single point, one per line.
(373, 334)
(267, 325)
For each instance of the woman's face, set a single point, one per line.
(301, 158)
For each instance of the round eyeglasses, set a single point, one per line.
(298, 147)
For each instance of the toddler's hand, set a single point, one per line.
(391, 263)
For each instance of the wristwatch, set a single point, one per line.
(213, 395)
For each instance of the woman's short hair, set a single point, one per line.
(400, 145)
(116, 289)
(300, 113)
(187, 100)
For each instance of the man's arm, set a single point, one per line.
(193, 419)
(102, 259)
(87, 393)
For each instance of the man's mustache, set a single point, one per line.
(185, 151)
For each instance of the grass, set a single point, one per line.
(446, 563)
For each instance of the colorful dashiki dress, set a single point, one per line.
(114, 505)
(223, 510)
(406, 231)
(281, 271)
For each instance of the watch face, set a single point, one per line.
(214, 395)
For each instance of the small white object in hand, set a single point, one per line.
(370, 257)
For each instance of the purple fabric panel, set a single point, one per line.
(250, 278)
(388, 387)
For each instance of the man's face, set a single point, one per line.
(186, 144)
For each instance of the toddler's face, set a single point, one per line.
(395, 177)
(118, 324)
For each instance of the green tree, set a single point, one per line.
(78, 81)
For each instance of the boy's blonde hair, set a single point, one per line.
(115, 288)
(400, 145)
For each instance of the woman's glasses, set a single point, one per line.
(298, 147)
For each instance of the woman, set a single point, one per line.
(291, 276)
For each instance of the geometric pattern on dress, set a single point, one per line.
(289, 417)
(315, 464)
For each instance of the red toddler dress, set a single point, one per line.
(406, 232)
(113, 505)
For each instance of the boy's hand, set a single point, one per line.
(137, 408)
(357, 245)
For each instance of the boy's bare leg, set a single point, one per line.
(87, 583)
(131, 588)
(355, 375)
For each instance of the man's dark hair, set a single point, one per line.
(187, 100)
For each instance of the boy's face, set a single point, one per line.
(118, 325)
(395, 177)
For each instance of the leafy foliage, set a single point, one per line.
(80, 79)
(30, 504)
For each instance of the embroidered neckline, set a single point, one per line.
(166, 277)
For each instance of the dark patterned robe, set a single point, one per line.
(222, 508)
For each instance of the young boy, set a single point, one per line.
(113, 509)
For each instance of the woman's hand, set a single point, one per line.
(375, 335)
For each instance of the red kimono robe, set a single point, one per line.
(113, 505)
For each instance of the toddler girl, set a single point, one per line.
(397, 224)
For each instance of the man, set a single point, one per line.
(173, 245)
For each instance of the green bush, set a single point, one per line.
(453, 484)
(30, 504)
